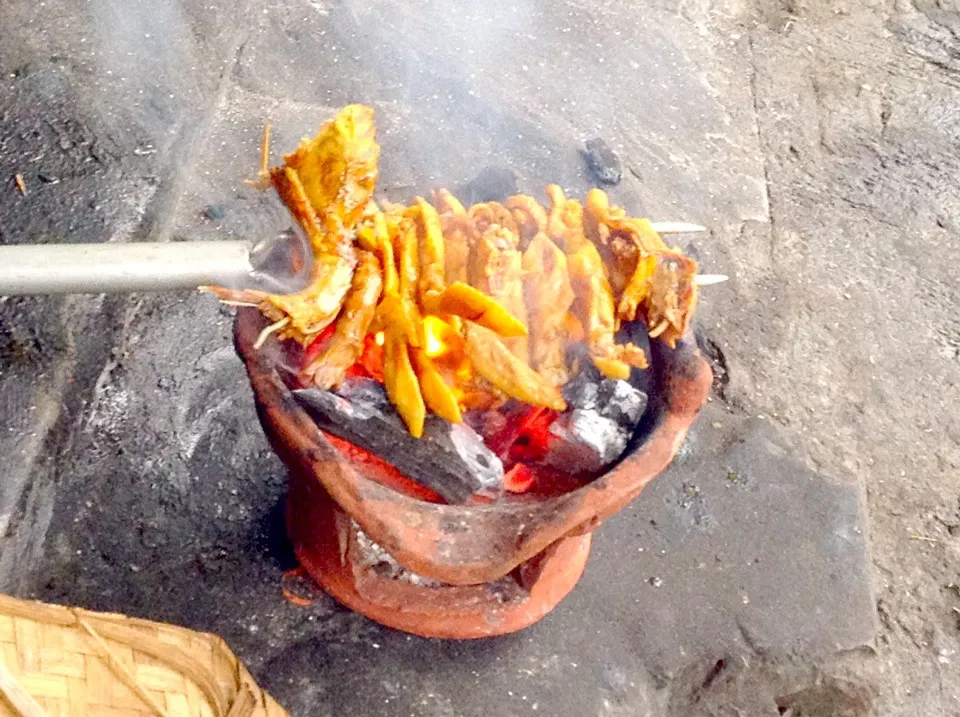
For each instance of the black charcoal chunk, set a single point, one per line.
(492, 184)
(602, 161)
(214, 212)
(618, 400)
(450, 459)
(597, 427)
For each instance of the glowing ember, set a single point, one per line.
(435, 332)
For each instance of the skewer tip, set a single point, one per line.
(710, 279)
(677, 228)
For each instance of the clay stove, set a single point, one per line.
(456, 571)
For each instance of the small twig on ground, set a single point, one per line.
(925, 539)
(21, 185)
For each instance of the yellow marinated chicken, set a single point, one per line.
(530, 216)
(346, 343)
(650, 280)
(471, 305)
(496, 269)
(549, 296)
(454, 224)
(594, 308)
(496, 363)
(325, 183)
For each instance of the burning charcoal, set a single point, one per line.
(583, 390)
(617, 400)
(602, 161)
(595, 433)
(488, 423)
(450, 459)
(621, 402)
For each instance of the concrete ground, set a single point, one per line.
(816, 139)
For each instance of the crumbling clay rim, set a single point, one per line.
(469, 544)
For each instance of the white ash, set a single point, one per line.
(372, 555)
(622, 402)
(617, 400)
(385, 565)
(587, 441)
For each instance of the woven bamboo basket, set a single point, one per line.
(65, 662)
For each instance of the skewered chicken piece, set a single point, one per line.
(432, 258)
(650, 279)
(402, 385)
(454, 226)
(325, 183)
(499, 366)
(565, 223)
(549, 296)
(530, 216)
(594, 305)
(594, 308)
(496, 269)
(489, 214)
(449, 292)
(346, 343)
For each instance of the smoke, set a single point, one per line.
(146, 55)
(442, 76)
(441, 44)
(138, 42)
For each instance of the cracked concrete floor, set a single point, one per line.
(817, 141)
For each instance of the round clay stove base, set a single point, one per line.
(359, 574)
(503, 565)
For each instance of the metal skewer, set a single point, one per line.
(281, 264)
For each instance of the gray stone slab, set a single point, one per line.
(101, 104)
(737, 550)
(742, 548)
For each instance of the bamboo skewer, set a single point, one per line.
(676, 228)
(710, 279)
(687, 228)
